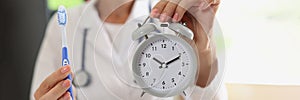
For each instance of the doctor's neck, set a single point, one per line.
(114, 11)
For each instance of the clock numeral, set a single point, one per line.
(154, 48)
(183, 64)
(163, 45)
(173, 48)
(173, 79)
(163, 83)
(148, 55)
(144, 64)
(147, 73)
(179, 73)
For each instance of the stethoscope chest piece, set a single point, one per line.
(82, 78)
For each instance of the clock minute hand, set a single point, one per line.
(172, 60)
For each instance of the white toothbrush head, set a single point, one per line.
(62, 16)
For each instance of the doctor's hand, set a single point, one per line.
(199, 17)
(174, 10)
(54, 87)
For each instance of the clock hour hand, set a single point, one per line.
(157, 61)
(173, 60)
(161, 63)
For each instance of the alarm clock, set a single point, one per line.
(163, 64)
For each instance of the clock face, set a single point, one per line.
(164, 65)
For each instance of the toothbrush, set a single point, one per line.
(62, 21)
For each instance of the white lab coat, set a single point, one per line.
(107, 82)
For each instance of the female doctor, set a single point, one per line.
(91, 29)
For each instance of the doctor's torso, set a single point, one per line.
(105, 54)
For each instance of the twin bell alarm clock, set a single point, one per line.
(164, 64)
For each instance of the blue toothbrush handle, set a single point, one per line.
(65, 61)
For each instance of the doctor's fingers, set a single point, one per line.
(53, 79)
(65, 96)
(175, 9)
(164, 9)
(58, 91)
(193, 6)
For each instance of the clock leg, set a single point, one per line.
(184, 93)
(143, 93)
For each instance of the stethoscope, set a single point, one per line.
(82, 77)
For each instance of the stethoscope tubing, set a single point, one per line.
(83, 70)
(83, 65)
